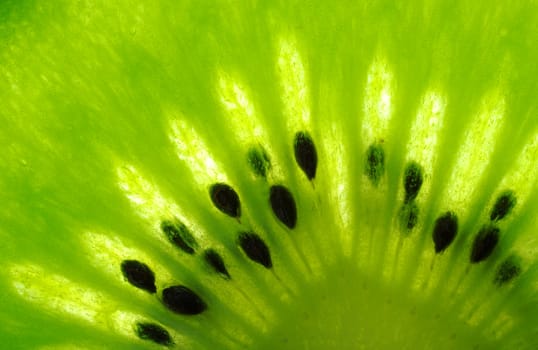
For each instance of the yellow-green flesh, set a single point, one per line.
(117, 115)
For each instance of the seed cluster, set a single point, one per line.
(182, 300)
(489, 234)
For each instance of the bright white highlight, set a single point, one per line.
(474, 156)
(377, 102)
(57, 294)
(107, 253)
(192, 150)
(425, 130)
(295, 92)
(523, 177)
(238, 106)
(424, 137)
(144, 196)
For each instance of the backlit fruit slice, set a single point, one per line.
(268, 174)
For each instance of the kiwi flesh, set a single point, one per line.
(261, 175)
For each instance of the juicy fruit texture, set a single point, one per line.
(269, 175)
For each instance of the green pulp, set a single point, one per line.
(116, 115)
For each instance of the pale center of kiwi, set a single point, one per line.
(350, 310)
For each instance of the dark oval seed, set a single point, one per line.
(182, 300)
(154, 333)
(412, 181)
(255, 248)
(305, 154)
(179, 235)
(375, 163)
(445, 230)
(504, 204)
(259, 161)
(283, 205)
(507, 271)
(215, 261)
(225, 199)
(139, 275)
(484, 243)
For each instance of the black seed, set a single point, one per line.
(182, 300)
(375, 163)
(504, 204)
(215, 261)
(283, 205)
(225, 199)
(179, 235)
(408, 216)
(484, 243)
(445, 230)
(259, 161)
(412, 181)
(153, 332)
(139, 275)
(305, 154)
(507, 271)
(255, 248)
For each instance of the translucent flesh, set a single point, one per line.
(116, 116)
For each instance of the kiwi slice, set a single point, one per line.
(268, 174)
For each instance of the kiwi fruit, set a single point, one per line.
(268, 174)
